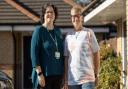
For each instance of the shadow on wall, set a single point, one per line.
(5, 81)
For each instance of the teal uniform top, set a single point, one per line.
(44, 45)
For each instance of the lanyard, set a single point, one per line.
(54, 40)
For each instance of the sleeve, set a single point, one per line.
(35, 47)
(95, 45)
(66, 52)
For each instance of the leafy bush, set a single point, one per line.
(5, 81)
(109, 76)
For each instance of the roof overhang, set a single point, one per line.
(20, 8)
(107, 12)
(30, 28)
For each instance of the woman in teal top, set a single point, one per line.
(47, 52)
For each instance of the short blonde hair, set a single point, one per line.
(77, 9)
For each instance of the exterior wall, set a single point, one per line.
(99, 36)
(122, 50)
(119, 43)
(127, 36)
(6, 53)
(119, 36)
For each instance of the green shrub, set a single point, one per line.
(109, 76)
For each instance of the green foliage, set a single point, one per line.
(109, 77)
(106, 51)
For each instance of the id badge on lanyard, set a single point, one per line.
(57, 55)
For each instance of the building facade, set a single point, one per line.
(17, 22)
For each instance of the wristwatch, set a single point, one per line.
(96, 75)
(40, 73)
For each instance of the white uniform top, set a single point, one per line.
(80, 46)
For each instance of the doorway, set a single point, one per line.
(27, 66)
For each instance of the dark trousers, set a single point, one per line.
(52, 82)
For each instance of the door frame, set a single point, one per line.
(22, 55)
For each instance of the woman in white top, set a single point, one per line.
(82, 59)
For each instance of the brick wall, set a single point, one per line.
(6, 53)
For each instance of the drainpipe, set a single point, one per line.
(14, 47)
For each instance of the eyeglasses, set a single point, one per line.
(76, 16)
(49, 12)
